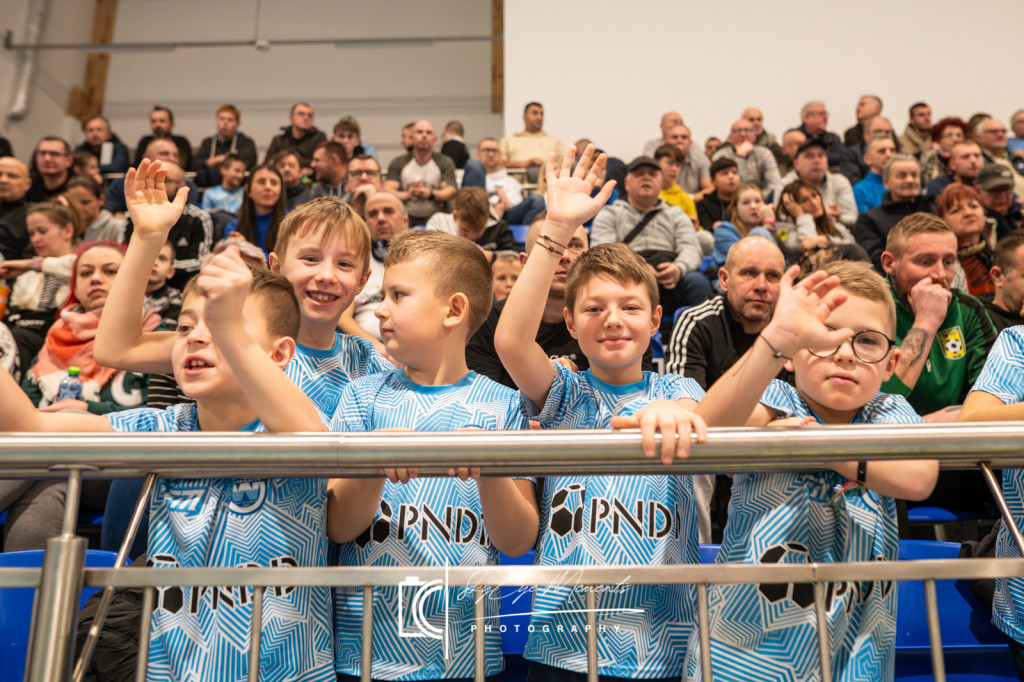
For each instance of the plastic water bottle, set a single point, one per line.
(70, 386)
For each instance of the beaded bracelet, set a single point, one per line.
(552, 241)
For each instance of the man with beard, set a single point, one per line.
(944, 334)
(161, 125)
(51, 168)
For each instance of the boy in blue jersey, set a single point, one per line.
(998, 395)
(233, 341)
(437, 292)
(612, 310)
(322, 248)
(834, 330)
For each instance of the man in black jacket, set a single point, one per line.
(902, 178)
(300, 136)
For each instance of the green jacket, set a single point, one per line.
(955, 359)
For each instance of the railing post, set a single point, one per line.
(1004, 508)
(824, 647)
(148, 597)
(366, 664)
(51, 645)
(931, 605)
(479, 640)
(704, 632)
(591, 613)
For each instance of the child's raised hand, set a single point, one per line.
(146, 197)
(672, 420)
(224, 282)
(801, 311)
(569, 203)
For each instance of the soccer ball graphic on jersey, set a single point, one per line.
(567, 510)
(800, 594)
(379, 529)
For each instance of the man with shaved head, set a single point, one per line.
(423, 179)
(14, 185)
(709, 338)
(668, 120)
(159, 149)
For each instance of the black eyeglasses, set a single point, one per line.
(868, 346)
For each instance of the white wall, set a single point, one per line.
(56, 72)
(384, 87)
(607, 70)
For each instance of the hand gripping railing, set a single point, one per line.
(195, 455)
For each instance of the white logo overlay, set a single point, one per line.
(414, 595)
(418, 592)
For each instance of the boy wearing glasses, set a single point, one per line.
(835, 331)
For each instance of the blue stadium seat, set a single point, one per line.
(519, 232)
(16, 608)
(705, 263)
(708, 553)
(939, 518)
(973, 649)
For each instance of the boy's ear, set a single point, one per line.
(274, 261)
(458, 310)
(362, 282)
(282, 351)
(656, 321)
(789, 366)
(890, 364)
(569, 324)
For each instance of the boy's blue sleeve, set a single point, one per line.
(682, 387)
(515, 420)
(892, 409)
(352, 413)
(570, 403)
(783, 399)
(1003, 374)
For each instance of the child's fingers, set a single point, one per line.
(550, 170)
(583, 165)
(567, 160)
(620, 422)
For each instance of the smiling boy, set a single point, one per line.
(611, 308)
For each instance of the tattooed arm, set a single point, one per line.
(913, 354)
(929, 301)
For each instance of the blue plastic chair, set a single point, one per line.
(939, 518)
(513, 642)
(16, 608)
(708, 553)
(519, 232)
(973, 649)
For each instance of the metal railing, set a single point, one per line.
(200, 455)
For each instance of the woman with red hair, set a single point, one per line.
(945, 134)
(960, 206)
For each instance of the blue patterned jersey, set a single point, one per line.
(628, 520)
(768, 631)
(202, 633)
(1003, 377)
(323, 374)
(426, 522)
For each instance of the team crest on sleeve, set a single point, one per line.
(952, 342)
